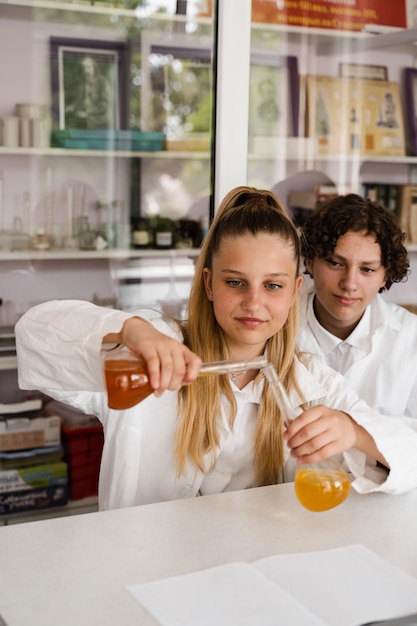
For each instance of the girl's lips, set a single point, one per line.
(250, 322)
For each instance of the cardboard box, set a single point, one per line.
(20, 432)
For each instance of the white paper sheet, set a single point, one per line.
(346, 586)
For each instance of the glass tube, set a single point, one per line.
(233, 366)
(288, 412)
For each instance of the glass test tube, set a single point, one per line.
(233, 366)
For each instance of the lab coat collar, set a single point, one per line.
(384, 314)
(361, 336)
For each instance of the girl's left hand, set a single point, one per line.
(319, 433)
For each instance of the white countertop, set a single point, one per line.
(73, 571)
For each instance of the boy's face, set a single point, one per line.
(346, 282)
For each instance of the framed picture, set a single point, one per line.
(355, 116)
(357, 70)
(411, 103)
(176, 94)
(273, 96)
(88, 84)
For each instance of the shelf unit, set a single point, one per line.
(107, 174)
(235, 164)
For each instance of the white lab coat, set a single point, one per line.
(58, 348)
(378, 359)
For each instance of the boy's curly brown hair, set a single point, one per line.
(351, 212)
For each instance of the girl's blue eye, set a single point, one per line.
(273, 286)
(234, 283)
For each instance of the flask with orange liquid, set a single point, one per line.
(127, 379)
(321, 486)
(318, 486)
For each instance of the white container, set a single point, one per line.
(24, 132)
(39, 135)
(28, 109)
(10, 131)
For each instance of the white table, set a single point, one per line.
(73, 571)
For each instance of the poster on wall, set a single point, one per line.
(351, 15)
(355, 116)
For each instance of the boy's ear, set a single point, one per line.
(308, 263)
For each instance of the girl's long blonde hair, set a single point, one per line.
(243, 210)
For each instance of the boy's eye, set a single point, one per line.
(332, 262)
(367, 270)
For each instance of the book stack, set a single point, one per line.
(383, 193)
(33, 474)
(7, 343)
(401, 200)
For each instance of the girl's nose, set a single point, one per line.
(251, 300)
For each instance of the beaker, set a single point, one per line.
(318, 486)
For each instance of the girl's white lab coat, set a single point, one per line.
(58, 347)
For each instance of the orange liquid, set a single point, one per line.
(319, 490)
(127, 383)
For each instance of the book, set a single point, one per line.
(347, 586)
(33, 499)
(33, 477)
(20, 431)
(25, 406)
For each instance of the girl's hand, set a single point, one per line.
(319, 433)
(170, 363)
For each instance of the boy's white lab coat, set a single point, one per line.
(378, 359)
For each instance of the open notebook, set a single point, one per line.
(348, 586)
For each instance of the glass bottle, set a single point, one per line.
(142, 236)
(86, 236)
(164, 232)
